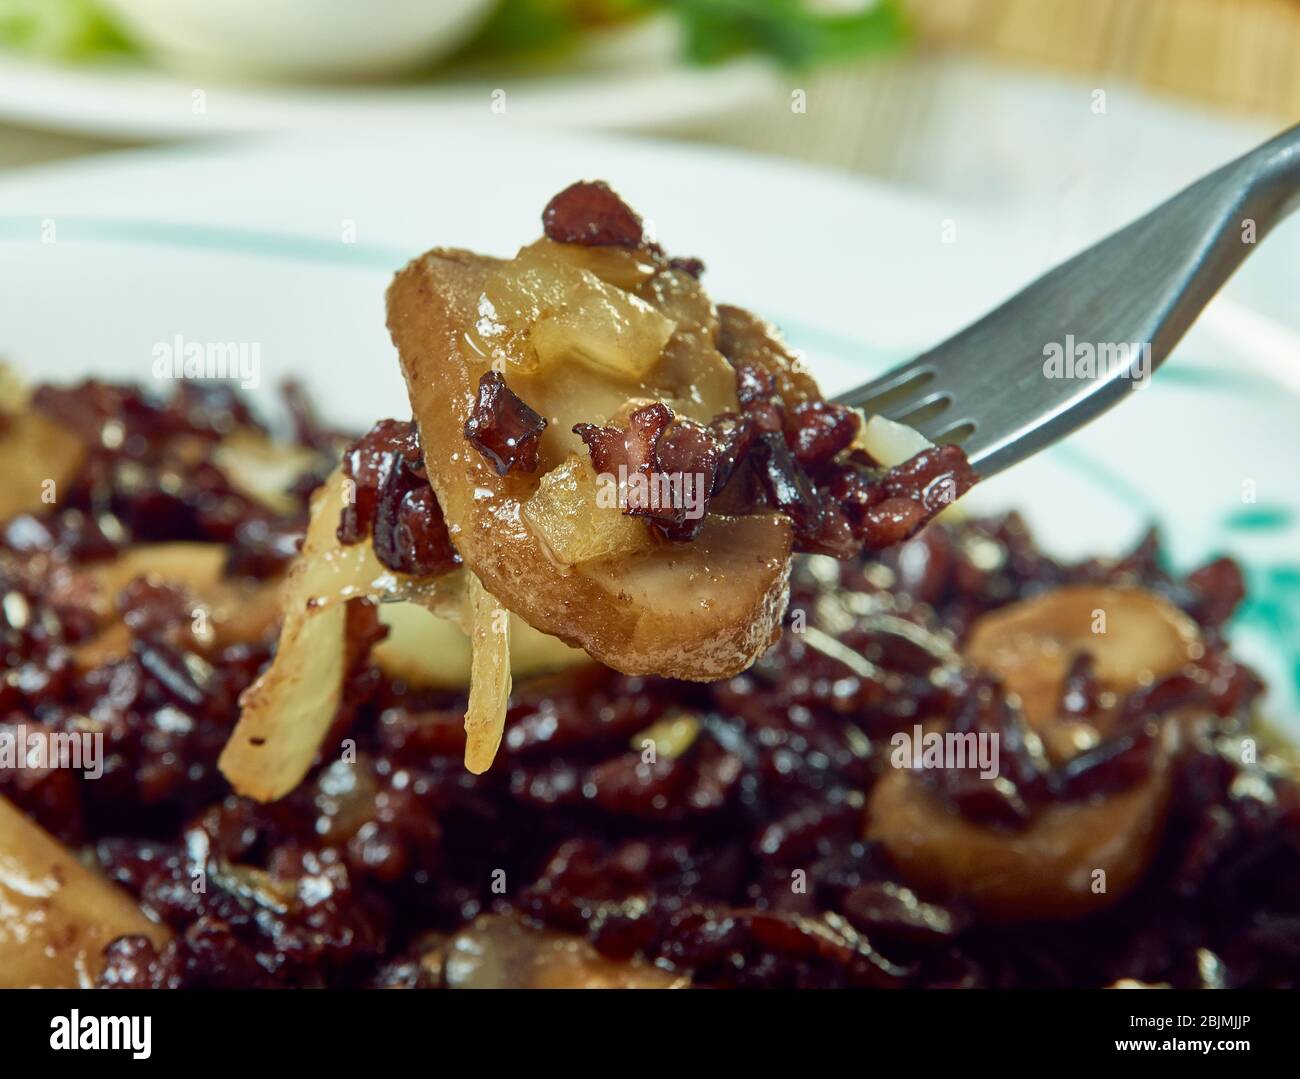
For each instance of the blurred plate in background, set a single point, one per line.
(628, 79)
(289, 244)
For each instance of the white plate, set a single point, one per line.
(628, 83)
(289, 244)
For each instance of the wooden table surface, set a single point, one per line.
(1236, 54)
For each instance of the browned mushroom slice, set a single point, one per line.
(745, 338)
(56, 915)
(701, 610)
(1133, 637)
(1071, 859)
(1046, 870)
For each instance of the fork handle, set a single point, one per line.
(1145, 283)
(1203, 234)
(1149, 281)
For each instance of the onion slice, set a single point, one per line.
(42, 459)
(263, 470)
(428, 652)
(58, 914)
(890, 443)
(287, 712)
(489, 687)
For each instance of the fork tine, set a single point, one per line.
(913, 394)
(922, 412)
(949, 433)
(892, 391)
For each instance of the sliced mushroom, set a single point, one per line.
(501, 952)
(1133, 636)
(1073, 858)
(56, 915)
(1047, 869)
(749, 339)
(702, 610)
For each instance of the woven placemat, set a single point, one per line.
(1240, 54)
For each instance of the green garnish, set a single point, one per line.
(59, 29)
(792, 32)
(796, 33)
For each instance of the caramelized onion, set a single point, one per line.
(501, 952)
(489, 686)
(890, 443)
(428, 652)
(264, 470)
(56, 915)
(41, 459)
(286, 713)
(235, 610)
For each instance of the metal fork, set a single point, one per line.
(988, 389)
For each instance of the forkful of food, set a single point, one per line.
(602, 461)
